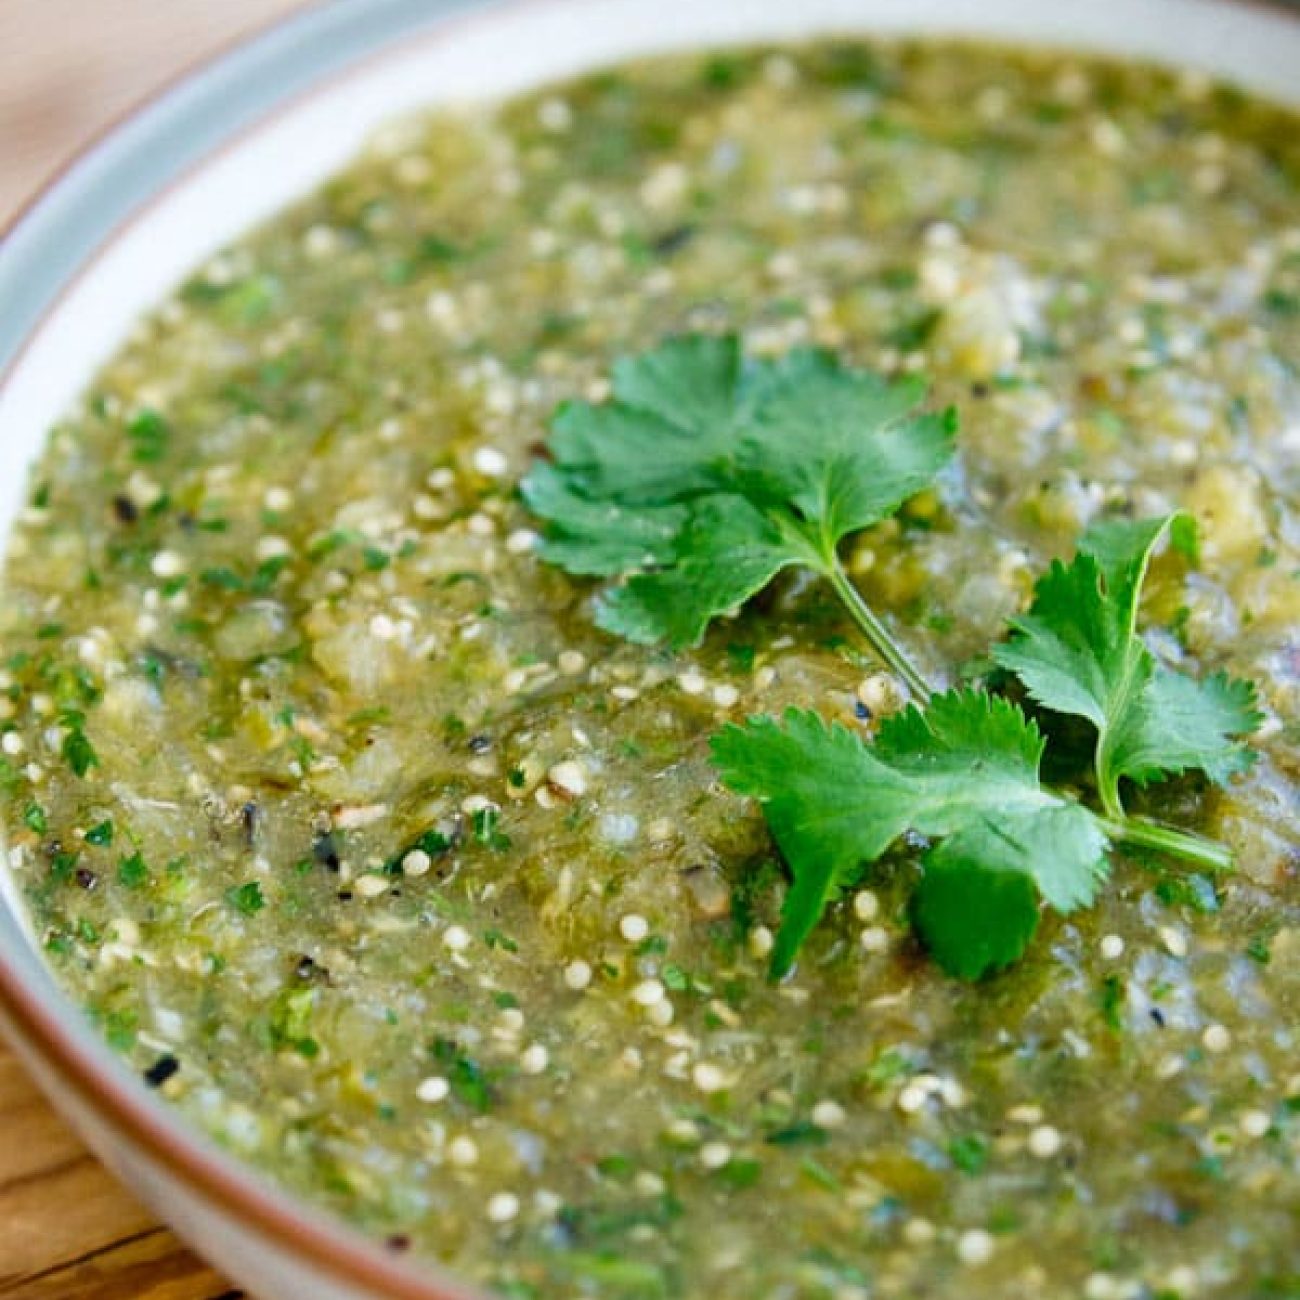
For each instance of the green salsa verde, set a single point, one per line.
(365, 845)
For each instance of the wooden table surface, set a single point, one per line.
(68, 1231)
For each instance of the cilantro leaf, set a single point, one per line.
(966, 768)
(601, 538)
(708, 473)
(678, 601)
(841, 448)
(975, 915)
(1060, 848)
(671, 418)
(1181, 723)
(1078, 651)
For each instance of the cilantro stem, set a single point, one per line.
(876, 633)
(1108, 787)
(1180, 844)
(1103, 762)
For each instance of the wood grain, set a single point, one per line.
(68, 68)
(67, 1230)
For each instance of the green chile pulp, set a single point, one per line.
(397, 876)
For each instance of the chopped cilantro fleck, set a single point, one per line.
(100, 834)
(133, 872)
(246, 898)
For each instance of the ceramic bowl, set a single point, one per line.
(229, 145)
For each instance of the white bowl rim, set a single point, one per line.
(56, 238)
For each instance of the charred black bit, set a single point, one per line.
(325, 849)
(86, 878)
(308, 969)
(480, 744)
(248, 817)
(161, 1070)
(674, 240)
(125, 509)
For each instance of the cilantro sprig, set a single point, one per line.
(964, 773)
(707, 473)
(1077, 651)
